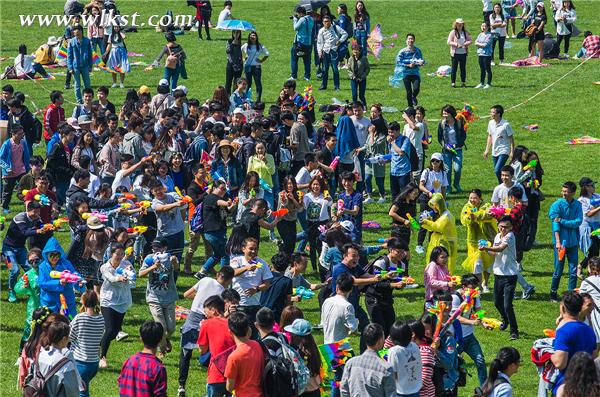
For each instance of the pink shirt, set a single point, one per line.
(435, 279)
(18, 166)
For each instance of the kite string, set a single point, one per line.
(49, 91)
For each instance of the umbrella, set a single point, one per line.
(235, 24)
(310, 5)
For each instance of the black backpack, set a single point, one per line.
(35, 382)
(278, 375)
(412, 156)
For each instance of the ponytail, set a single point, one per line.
(505, 357)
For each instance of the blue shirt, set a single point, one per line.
(350, 201)
(487, 39)
(573, 337)
(571, 216)
(304, 29)
(404, 58)
(356, 271)
(79, 54)
(400, 164)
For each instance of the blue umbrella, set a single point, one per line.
(235, 24)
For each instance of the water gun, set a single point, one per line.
(86, 215)
(252, 193)
(300, 195)
(451, 148)
(438, 311)
(24, 192)
(340, 205)
(483, 243)
(455, 279)
(9, 264)
(322, 228)
(413, 222)
(536, 184)
(526, 175)
(426, 140)
(42, 198)
(64, 309)
(407, 280)
(128, 251)
(128, 273)
(143, 204)
(137, 229)
(426, 215)
(470, 295)
(490, 322)
(46, 227)
(280, 212)
(2, 220)
(530, 165)
(335, 162)
(326, 194)
(414, 61)
(71, 278)
(184, 198)
(25, 279)
(390, 270)
(595, 233)
(303, 292)
(549, 333)
(383, 353)
(125, 205)
(498, 211)
(595, 202)
(265, 185)
(57, 223)
(150, 260)
(128, 196)
(562, 251)
(383, 158)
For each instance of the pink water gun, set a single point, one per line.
(340, 205)
(335, 162)
(71, 278)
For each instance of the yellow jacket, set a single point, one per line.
(443, 231)
(44, 55)
(481, 226)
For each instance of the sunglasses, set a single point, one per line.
(54, 255)
(436, 161)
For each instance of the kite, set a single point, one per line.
(375, 41)
(531, 127)
(467, 115)
(309, 99)
(181, 313)
(335, 354)
(584, 140)
(62, 53)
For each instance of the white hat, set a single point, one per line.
(459, 20)
(163, 82)
(72, 121)
(238, 111)
(182, 88)
(436, 156)
(52, 40)
(347, 225)
(540, 4)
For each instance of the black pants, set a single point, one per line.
(412, 84)
(363, 321)
(231, 75)
(185, 357)
(501, 40)
(113, 320)
(204, 21)
(313, 239)
(533, 210)
(459, 60)
(567, 39)
(256, 75)
(397, 183)
(287, 232)
(504, 293)
(7, 190)
(485, 66)
(383, 315)
(593, 251)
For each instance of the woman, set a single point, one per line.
(86, 146)
(539, 20)
(519, 157)
(227, 168)
(590, 203)
(175, 60)
(86, 333)
(221, 97)
(95, 29)
(303, 341)
(288, 315)
(305, 118)
(510, 14)
(581, 378)
(484, 44)
(129, 105)
(290, 200)
(254, 55)
(362, 25)
(240, 98)
(116, 51)
(115, 297)
(459, 41)
(404, 203)
(235, 64)
(170, 141)
(452, 137)
(87, 235)
(177, 172)
(480, 226)
(436, 274)
(263, 164)
(95, 243)
(249, 191)
(443, 229)
(149, 140)
(498, 26)
(591, 285)
(344, 21)
(377, 119)
(25, 65)
(358, 70)
(565, 18)
(32, 346)
(375, 145)
(317, 213)
(535, 197)
(502, 368)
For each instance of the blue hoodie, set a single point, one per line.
(571, 216)
(50, 288)
(347, 141)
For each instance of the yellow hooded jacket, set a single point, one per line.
(481, 227)
(443, 231)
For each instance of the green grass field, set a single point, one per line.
(566, 110)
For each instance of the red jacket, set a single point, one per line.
(52, 116)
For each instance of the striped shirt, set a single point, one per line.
(427, 358)
(85, 336)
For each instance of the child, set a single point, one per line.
(116, 52)
(436, 275)
(520, 223)
(484, 51)
(161, 292)
(350, 204)
(249, 191)
(433, 180)
(54, 290)
(505, 365)
(28, 285)
(405, 359)
(443, 229)
(404, 203)
(427, 358)
(505, 274)
(375, 145)
(358, 70)
(317, 214)
(144, 370)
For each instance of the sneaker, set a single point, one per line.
(12, 297)
(344, 67)
(317, 326)
(486, 290)
(453, 85)
(368, 200)
(381, 200)
(504, 325)
(485, 87)
(121, 85)
(114, 85)
(121, 335)
(458, 189)
(514, 36)
(103, 363)
(493, 63)
(479, 85)
(181, 391)
(337, 89)
(321, 88)
(513, 336)
(553, 297)
(419, 250)
(411, 286)
(67, 86)
(291, 78)
(199, 275)
(306, 78)
(529, 292)
(463, 85)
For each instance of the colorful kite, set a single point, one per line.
(181, 313)
(335, 354)
(309, 99)
(584, 140)
(467, 115)
(62, 53)
(375, 41)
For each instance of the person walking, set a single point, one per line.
(408, 62)
(79, 60)
(254, 54)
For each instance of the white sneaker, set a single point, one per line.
(114, 85)
(181, 391)
(368, 200)
(121, 85)
(381, 200)
(486, 290)
(493, 63)
(121, 335)
(103, 363)
(485, 87)
(419, 250)
(514, 36)
(479, 86)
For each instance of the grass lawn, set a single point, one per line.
(566, 110)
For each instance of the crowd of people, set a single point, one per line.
(141, 186)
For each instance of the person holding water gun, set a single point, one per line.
(404, 203)
(28, 285)
(433, 179)
(566, 215)
(590, 205)
(53, 291)
(443, 229)
(436, 277)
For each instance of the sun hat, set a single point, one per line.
(225, 142)
(459, 20)
(347, 225)
(52, 40)
(437, 156)
(84, 119)
(300, 327)
(94, 223)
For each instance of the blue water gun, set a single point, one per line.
(265, 185)
(303, 292)
(128, 273)
(382, 158)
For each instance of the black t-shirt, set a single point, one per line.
(214, 217)
(275, 296)
(196, 192)
(326, 156)
(249, 221)
(538, 19)
(403, 208)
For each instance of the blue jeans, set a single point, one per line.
(330, 59)
(216, 390)
(342, 52)
(379, 180)
(572, 259)
(98, 42)
(87, 371)
(217, 241)
(172, 75)
(337, 376)
(499, 162)
(18, 259)
(305, 59)
(61, 192)
(78, 75)
(358, 90)
(473, 349)
(454, 160)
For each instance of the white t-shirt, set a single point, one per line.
(92, 187)
(467, 329)
(407, 365)
(317, 208)
(224, 16)
(303, 177)
(205, 288)
(500, 133)
(415, 136)
(500, 195)
(434, 180)
(500, 30)
(362, 129)
(451, 135)
(249, 279)
(337, 319)
(121, 180)
(586, 286)
(586, 206)
(505, 262)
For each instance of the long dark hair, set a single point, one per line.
(38, 317)
(501, 11)
(571, 5)
(364, 11)
(246, 185)
(307, 347)
(406, 191)
(517, 153)
(539, 171)
(95, 241)
(581, 378)
(286, 180)
(505, 357)
(257, 44)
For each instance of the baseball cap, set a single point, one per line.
(347, 225)
(163, 82)
(585, 181)
(300, 327)
(437, 156)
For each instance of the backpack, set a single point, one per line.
(479, 393)
(412, 156)
(35, 382)
(285, 373)
(38, 128)
(197, 221)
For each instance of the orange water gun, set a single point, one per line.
(438, 311)
(550, 333)
(143, 204)
(184, 198)
(137, 229)
(128, 196)
(281, 212)
(64, 309)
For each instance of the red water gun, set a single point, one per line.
(281, 212)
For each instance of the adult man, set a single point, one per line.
(58, 165)
(14, 161)
(20, 115)
(369, 374)
(103, 104)
(298, 141)
(79, 60)
(566, 214)
(408, 61)
(77, 192)
(302, 46)
(500, 139)
(84, 108)
(400, 166)
(53, 115)
(328, 39)
(500, 194)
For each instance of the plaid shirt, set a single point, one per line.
(592, 46)
(143, 375)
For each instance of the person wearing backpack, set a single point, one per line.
(56, 365)
(505, 365)
(303, 341)
(245, 365)
(196, 191)
(400, 168)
